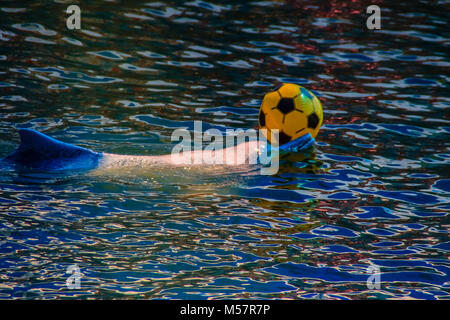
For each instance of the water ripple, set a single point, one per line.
(372, 193)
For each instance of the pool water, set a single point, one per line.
(371, 200)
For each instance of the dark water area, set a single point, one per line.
(372, 195)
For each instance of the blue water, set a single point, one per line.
(373, 193)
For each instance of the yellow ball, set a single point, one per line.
(293, 110)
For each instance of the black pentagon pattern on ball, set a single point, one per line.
(283, 138)
(262, 119)
(286, 105)
(313, 121)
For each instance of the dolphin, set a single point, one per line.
(41, 152)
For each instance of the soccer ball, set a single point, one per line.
(293, 110)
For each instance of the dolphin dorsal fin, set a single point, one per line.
(37, 150)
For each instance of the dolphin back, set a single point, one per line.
(39, 151)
